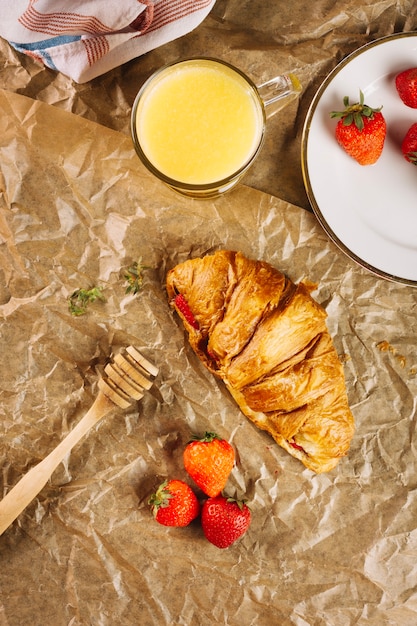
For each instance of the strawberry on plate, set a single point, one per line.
(224, 520)
(209, 461)
(174, 503)
(409, 144)
(406, 84)
(360, 131)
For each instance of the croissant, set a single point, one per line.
(267, 339)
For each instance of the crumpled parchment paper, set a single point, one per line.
(76, 209)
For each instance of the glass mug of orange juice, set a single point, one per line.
(198, 124)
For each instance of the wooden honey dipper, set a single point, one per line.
(124, 381)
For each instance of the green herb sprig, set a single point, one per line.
(81, 298)
(134, 277)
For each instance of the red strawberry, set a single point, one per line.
(174, 503)
(406, 84)
(224, 520)
(183, 308)
(209, 461)
(361, 131)
(409, 144)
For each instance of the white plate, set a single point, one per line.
(369, 211)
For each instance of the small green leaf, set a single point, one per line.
(161, 498)
(207, 438)
(240, 503)
(358, 119)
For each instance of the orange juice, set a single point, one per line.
(199, 121)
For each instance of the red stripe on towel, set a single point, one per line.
(166, 13)
(96, 48)
(61, 23)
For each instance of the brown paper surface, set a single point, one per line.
(77, 208)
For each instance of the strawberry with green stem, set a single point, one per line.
(208, 461)
(224, 520)
(174, 503)
(360, 130)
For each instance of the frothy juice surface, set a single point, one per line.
(199, 122)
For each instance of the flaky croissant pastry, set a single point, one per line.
(267, 339)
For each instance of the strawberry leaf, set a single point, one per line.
(358, 119)
(355, 113)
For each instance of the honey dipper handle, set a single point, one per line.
(32, 483)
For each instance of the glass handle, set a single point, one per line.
(278, 92)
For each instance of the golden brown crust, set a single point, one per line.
(267, 339)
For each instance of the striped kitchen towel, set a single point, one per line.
(86, 38)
